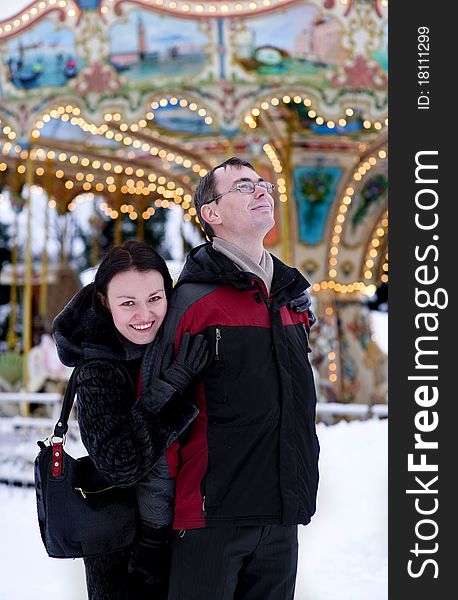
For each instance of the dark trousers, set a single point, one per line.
(234, 563)
(107, 578)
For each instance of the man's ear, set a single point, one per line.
(210, 214)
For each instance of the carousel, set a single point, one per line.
(115, 108)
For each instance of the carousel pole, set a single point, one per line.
(140, 228)
(11, 338)
(286, 242)
(118, 220)
(140, 205)
(27, 308)
(63, 250)
(118, 230)
(230, 146)
(43, 302)
(95, 243)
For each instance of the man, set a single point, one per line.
(246, 470)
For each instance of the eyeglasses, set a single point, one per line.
(246, 187)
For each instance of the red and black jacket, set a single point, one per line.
(251, 455)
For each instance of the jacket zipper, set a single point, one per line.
(84, 493)
(218, 337)
(304, 327)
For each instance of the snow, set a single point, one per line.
(342, 553)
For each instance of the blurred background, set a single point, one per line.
(111, 110)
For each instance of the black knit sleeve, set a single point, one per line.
(124, 442)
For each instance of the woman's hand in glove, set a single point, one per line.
(303, 303)
(191, 359)
(150, 557)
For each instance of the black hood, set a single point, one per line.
(84, 330)
(204, 264)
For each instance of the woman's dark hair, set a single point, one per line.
(130, 255)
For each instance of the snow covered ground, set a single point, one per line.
(343, 552)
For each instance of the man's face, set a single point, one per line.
(242, 213)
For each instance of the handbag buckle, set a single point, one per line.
(58, 439)
(57, 445)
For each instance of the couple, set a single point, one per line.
(204, 399)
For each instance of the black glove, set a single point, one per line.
(303, 303)
(192, 357)
(150, 556)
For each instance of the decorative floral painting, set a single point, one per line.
(368, 200)
(314, 189)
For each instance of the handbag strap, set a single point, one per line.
(61, 426)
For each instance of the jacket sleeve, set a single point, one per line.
(124, 442)
(156, 494)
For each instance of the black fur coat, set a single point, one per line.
(124, 433)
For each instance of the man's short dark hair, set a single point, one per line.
(206, 189)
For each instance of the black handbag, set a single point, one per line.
(80, 513)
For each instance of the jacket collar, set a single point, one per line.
(205, 265)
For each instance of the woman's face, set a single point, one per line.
(137, 302)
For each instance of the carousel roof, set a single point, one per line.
(133, 100)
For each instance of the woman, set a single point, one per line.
(126, 420)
